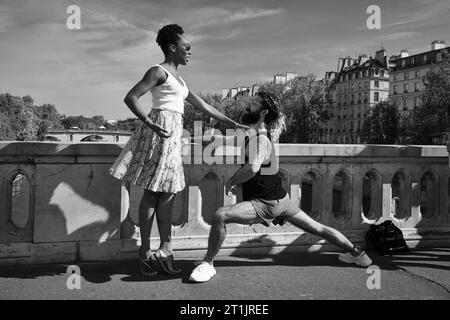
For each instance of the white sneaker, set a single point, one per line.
(203, 272)
(362, 260)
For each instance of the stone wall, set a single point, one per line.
(70, 209)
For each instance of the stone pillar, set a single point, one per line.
(442, 199)
(295, 192)
(415, 200)
(194, 225)
(357, 192)
(386, 200)
(124, 201)
(326, 198)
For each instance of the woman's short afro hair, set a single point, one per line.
(168, 34)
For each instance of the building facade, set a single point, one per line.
(253, 89)
(283, 78)
(359, 85)
(233, 92)
(408, 74)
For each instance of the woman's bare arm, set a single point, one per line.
(199, 103)
(151, 79)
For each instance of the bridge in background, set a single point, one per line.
(88, 135)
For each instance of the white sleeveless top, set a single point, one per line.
(170, 95)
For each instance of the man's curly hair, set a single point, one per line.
(168, 34)
(275, 118)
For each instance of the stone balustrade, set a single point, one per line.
(58, 204)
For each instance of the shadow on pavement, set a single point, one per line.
(439, 259)
(102, 272)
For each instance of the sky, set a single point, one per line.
(234, 43)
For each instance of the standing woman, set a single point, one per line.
(152, 158)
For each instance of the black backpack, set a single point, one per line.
(385, 238)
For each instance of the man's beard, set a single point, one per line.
(251, 117)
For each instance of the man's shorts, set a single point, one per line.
(275, 211)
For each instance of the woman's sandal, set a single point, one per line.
(146, 267)
(167, 263)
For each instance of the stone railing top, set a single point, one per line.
(126, 133)
(361, 150)
(18, 148)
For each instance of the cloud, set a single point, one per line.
(236, 42)
(397, 36)
(102, 20)
(248, 14)
(195, 38)
(220, 16)
(419, 13)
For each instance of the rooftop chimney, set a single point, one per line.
(330, 75)
(363, 58)
(380, 55)
(404, 53)
(225, 93)
(437, 44)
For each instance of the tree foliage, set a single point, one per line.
(49, 119)
(431, 119)
(129, 125)
(382, 126)
(84, 123)
(191, 114)
(18, 118)
(303, 100)
(21, 120)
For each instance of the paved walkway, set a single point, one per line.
(419, 274)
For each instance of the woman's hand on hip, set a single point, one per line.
(160, 131)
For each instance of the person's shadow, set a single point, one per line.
(77, 204)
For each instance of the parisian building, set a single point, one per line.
(359, 84)
(233, 92)
(283, 78)
(408, 74)
(253, 89)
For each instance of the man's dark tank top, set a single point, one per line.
(266, 187)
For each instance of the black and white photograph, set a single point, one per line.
(223, 157)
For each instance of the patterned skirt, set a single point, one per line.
(151, 162)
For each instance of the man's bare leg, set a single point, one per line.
(242, 213)
(306, 223)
